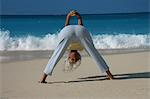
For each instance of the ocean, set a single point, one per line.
(40, 32)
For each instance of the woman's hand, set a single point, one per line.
(73, 13)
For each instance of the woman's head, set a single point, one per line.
(74, 56)
(73, 61)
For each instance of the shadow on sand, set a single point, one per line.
(104, 77)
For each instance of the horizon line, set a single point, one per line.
(66, 14)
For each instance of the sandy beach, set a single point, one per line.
(19, 79)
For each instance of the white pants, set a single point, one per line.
(75, 33)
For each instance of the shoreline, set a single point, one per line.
(13, 56)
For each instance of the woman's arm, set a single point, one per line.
(79, 19)
(73, 13)
(67, 20)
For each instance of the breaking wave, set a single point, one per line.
(50, 41)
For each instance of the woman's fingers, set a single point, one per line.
(73, 13)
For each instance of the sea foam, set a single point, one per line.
(50, 41)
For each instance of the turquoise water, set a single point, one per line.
(109, 31)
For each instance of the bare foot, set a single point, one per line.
(43, 79)
(42, 82)
(110, 76)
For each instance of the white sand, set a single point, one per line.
(19, 80)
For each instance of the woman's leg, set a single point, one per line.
(58, 53)
(87, 42)
(96, 56)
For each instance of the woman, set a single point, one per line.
(74, 33)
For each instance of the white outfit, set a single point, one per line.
(75, 33)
